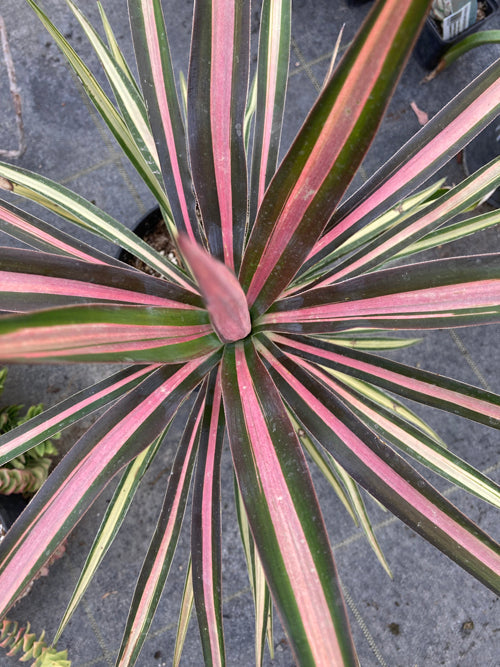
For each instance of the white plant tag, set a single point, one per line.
(457, 22)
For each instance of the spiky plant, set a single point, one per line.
(268, 329)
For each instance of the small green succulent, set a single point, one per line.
(27, 472)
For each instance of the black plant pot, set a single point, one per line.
(143, 228)
(151, 229)
(10, 508)
(430, 46)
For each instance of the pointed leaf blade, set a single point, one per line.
(283, 512)
(324, 157)
(116, 438)
(157, 563)
(382, 472)
(224, 298)
(158, 85)
(206, 528)
(184, 615)
(105, 109)
(217, 89)
(271, 82)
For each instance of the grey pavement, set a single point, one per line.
(431, 613)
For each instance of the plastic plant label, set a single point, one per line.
(458, 21)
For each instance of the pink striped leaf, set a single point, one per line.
(33, 280)
(272, 77)
(67, 412)
(454, 232)
(42, 236)
(260, 590)
(283, 512)
(224, 298)
(206, 527)
(116, 512)
(371, 230)
(107, 333)
(159, 90)
(388, 244)
(125, 430)
(156, 566)
(382, 472)
(217, 90)
(140, 159)
(442, 137)
(422, 386)
(410, 439)
(327, 151)
(435, 294)
(83, 213)
(131, 104)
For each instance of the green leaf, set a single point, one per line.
(206, 527)
(270, 91)
(115, 514)
(465, 44)
(282, 510)
(260, 590)
(156, 566)
(317, 169)
(184, 615)
(78, 210)
(106, 109)
(451, 233)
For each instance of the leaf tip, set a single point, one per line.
(223, 295)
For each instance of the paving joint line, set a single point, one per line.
(364, 628)
(470, 361)
(305, 65)
(86, 172)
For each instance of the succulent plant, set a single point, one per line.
(16, 638)
(27, 472)
(268, 329)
